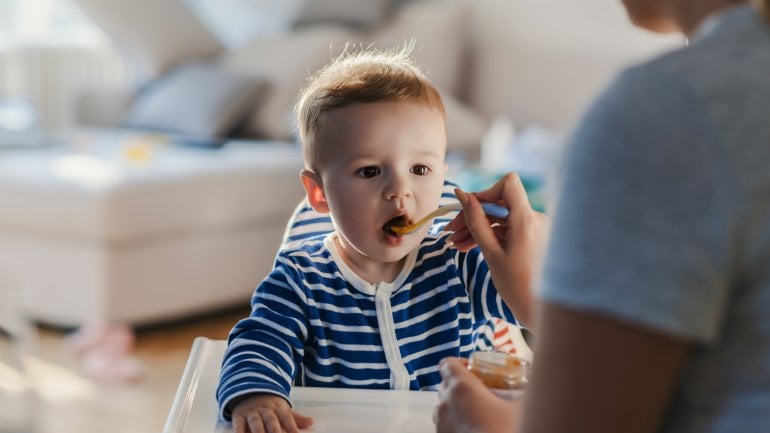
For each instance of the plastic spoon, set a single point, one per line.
(491, 209)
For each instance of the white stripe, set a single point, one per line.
(325, 306)
(322, 342)
(431, 272)
(500, 304)
(344, 328)
(279, 328)
(344, 291)
(426, 315)
(247, 374)
(417, 299)
(428, 333)
(282, 301)
(344, 379)
(484, 290)
(241, 377)
(430, 350)
(240, 342)
(426, 370)
(430, 255)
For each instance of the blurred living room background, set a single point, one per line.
(149, 165)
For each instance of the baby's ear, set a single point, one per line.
(314, 190)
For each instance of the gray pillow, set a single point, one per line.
(199, 100)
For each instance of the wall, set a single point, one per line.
(542, 61)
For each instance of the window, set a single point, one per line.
(32, 22)
(50, 52)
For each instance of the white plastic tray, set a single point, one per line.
(335, 410)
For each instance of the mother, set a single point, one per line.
(656, 282)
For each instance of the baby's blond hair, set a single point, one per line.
(360, 76)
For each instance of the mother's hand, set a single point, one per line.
(466, 404)
(512, 247)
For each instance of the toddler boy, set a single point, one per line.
(362, 307)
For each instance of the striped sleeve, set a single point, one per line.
(264, 349)
(485, 300)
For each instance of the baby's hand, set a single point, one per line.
(267, 413)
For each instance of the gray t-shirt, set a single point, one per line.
(663, 216)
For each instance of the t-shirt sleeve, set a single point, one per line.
(641, 227)
(264, 350)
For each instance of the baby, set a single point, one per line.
(363, 307)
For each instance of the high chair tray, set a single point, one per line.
(335, 410)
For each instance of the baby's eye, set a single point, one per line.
(420, 170)
(368, 172)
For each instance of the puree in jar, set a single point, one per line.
(503, 373)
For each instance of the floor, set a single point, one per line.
(73, 403)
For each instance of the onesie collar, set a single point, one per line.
(359, 283)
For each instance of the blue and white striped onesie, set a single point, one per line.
(314, 322)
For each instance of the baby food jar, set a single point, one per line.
(505, 374)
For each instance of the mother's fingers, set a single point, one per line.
(462, 240)
(451, 368)
(510, 190)
(478, 223)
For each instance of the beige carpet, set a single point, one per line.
(74, 403)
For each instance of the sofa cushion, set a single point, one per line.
(198, 99)
(284, 61)
(91, 190)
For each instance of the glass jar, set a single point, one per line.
(505, 374)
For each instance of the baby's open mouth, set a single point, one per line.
(398, 221)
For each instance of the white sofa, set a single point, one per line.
(89, 233)
(169, 240)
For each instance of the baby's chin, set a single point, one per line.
(387, 247)
(394, 248)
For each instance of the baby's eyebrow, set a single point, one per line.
(427, 153)
(363, 160)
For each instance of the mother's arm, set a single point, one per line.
(597, 374)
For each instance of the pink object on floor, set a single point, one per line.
(104, 351)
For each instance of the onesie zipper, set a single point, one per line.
(399, 377)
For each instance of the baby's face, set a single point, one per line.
(380, 161)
